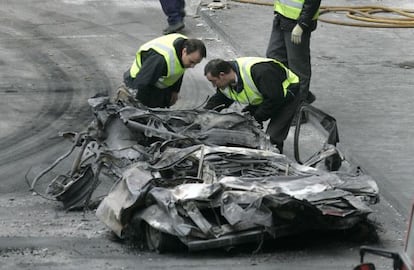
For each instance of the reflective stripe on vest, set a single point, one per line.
(250, 94)
(291, 8)
(165, 46)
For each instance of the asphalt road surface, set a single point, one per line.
(54, 55)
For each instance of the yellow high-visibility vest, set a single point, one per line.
(164, 46)
(291, 8)
(250, 94)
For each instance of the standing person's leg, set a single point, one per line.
(279, 125)
(181, 5)
(299, 61)
(276, 48)
(174, 10)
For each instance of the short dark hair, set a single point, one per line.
(193, 45)
(215, 66)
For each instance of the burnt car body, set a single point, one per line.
(206, 179)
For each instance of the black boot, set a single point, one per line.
(173, 28)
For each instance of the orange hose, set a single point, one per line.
(399, 18)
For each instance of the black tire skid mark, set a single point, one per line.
(25, 142)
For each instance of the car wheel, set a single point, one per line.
(159, 241)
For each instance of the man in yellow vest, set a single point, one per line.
(290, 38)
(267, 88)
(156, 74)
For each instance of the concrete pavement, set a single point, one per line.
(364, 77)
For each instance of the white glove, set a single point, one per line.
(297, 32)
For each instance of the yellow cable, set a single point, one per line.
(366, 15)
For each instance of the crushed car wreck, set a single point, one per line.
(238, 195)
(203, 178)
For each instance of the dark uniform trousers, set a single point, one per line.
(279, 124)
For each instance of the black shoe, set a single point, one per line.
(173, 28)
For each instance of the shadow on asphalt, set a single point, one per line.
(364, 233)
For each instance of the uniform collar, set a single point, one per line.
(238, 84)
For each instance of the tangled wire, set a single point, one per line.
(367, 16)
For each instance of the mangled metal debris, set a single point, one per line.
(120, 136)
(237, 190)
(204, 178)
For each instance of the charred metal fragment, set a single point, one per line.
(205, 178)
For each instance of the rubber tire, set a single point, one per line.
(159, 241)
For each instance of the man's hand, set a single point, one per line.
(250, 109)
(297, 32)
(124, 97)
(174, 98)
(260, 124)
(259, 121)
